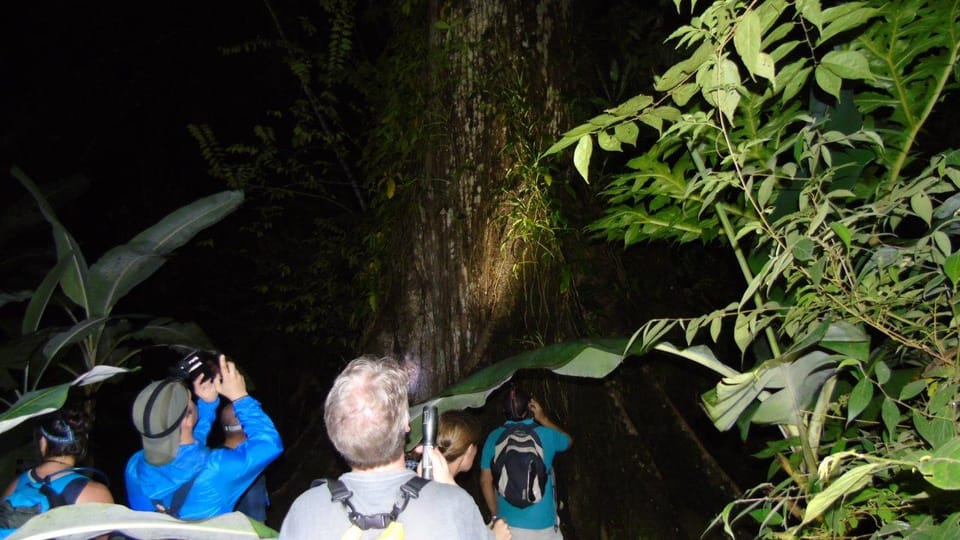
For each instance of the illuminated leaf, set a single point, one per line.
(581, 156)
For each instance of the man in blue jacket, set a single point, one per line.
(175, 472)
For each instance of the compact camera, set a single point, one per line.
(197, 363)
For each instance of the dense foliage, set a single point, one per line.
(795, 132)
(85, 338)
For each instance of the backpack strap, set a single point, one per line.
(179, 497)
(67, 496)
(73, 488)
(341, 494)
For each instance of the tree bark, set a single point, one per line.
(455, 283)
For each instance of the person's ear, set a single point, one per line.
(43, 446)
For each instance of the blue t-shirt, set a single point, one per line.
(222, 475)
(544, 513)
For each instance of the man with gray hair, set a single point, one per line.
(367, 419)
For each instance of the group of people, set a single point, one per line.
(367, 419)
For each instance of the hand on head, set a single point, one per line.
(535, 408)
(205, 389)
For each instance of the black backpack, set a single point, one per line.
(12, 517)
(519, 472)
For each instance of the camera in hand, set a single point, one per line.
(195, 364)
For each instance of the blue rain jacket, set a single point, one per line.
(224, 473)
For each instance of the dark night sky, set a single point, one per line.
(106, 90)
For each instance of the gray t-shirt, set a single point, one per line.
(441, 512)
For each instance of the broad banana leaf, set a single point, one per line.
(124, 267)
(589, 358)
(41, 297)
(75, 278)
(89, 520)
(50, 399)
(799, 375)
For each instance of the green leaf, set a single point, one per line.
(891, 416)
(76, 333)
(746, 40)
(810, 10)
(803, 249)
(794, 83)
(942, 241)
(766, 67)
(627, 133)
(942, 469)
(882, 371)
(41, 297)
(951, 267)
(124, 267)
(594, 358)
(727, 88)
(608, 141)
(651, 120)
(766, 189)
(801, 380)
(679, 72)
(562, 143)
(632, 106)
(828, 81)
(922, 207)
(851, 482)
(720, 86)
(842, 232)
(847, 64)
(91, 520)
(681, 95)
(701, 355)
(581, 157)
(936, 431)
(75, 280)
(50, 399)
(842, 18)
(912, 389)
(848, 339)
(859, 399)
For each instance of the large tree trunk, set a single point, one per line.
(454, 261)
(461, 293)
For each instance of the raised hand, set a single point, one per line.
(230, 384)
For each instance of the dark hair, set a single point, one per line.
(67, 432)
(516, 404)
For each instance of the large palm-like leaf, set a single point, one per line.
(75, 279)
(124, 267)
(83, 521)
(50, 399)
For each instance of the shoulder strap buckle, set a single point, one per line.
(341, 494)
